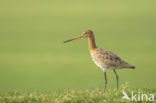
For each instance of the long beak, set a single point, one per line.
(78, 37)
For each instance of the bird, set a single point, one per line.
(104, 59)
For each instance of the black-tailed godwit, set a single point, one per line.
(104, 59)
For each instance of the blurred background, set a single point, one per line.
(33, 57)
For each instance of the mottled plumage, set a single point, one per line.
(104, 59)
(107, 60)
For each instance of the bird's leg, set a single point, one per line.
(117, 77)
(105, 81)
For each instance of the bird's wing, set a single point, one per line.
(109, 59)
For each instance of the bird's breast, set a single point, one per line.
(96, 59)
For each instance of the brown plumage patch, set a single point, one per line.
(107, 59)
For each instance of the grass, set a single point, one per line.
(94, 95)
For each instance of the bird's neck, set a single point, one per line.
(91, 42)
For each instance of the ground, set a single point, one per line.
(94, 95)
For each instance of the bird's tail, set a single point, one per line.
(126, 65)
(132, 67)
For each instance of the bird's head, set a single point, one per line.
(86, 33)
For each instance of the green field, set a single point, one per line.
(95, 95)
(33, 57)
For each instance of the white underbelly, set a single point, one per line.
(99, 65)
